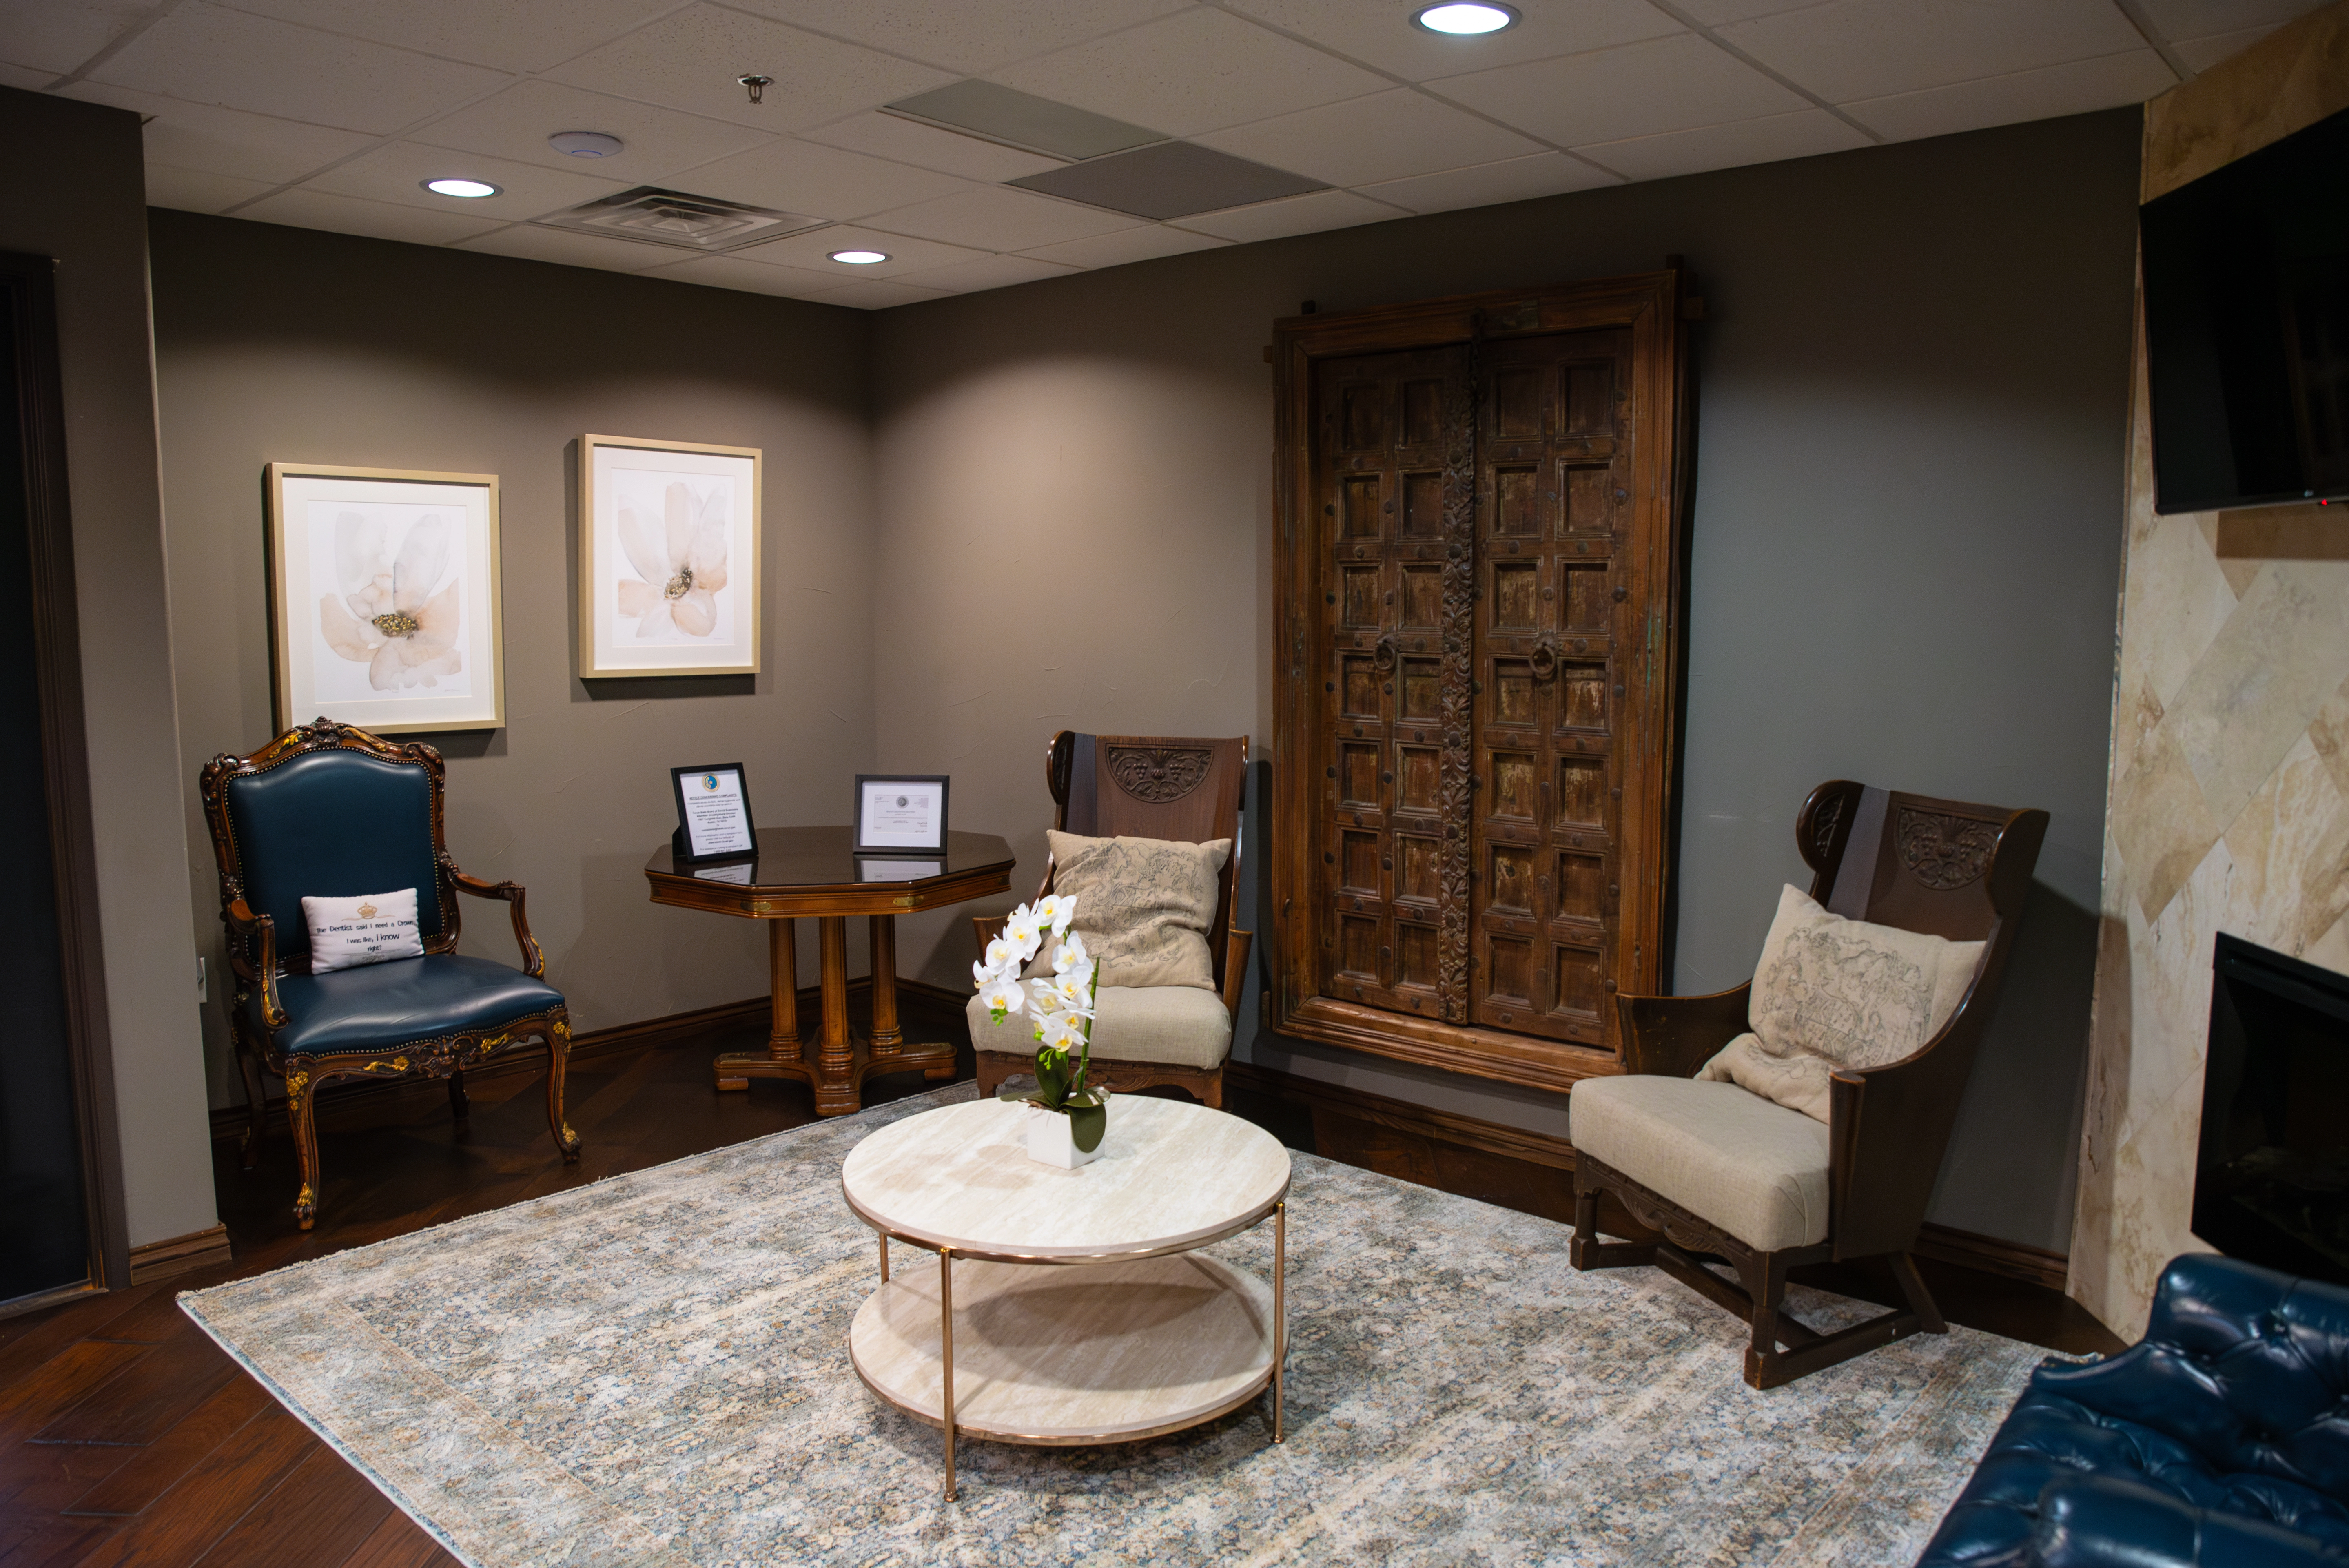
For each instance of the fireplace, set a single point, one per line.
(2272, 1178)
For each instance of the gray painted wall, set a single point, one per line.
(76, 192)
(1907, 533)
(276, 342)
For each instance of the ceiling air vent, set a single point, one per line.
(703, 224)
(1171, 179)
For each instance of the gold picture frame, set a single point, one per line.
(386, 606)
(658, 520)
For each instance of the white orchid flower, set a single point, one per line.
(1062, 1032)
(1002, 997)
(389, 616)
(1075, 990)
(1024, 931)
(1002, 958)
(679, 559)
(1070, 955)
(1057, 911)
(1046, 996)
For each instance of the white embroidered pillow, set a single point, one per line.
(1834, 992)
(1143, 905)
(373, 928)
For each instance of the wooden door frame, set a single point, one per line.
(1653, 307)
(30, 293)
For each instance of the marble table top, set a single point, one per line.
(1170, 1175)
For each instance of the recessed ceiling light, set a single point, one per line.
(585, 143)
(860, 258)
(1465, 19)
(472, 190)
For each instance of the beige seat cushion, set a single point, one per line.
(1166, 1025)
(1756, 1169)
(1143, 905)
(1834, 992)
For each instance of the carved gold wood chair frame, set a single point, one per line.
(253, 957)
(1157, 786)
(1944, 867)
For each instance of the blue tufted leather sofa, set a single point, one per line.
(2221, 1438)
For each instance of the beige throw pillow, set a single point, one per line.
(1143, 905)
(1834, 992)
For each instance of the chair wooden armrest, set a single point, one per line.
(1237, 943)
(1671, 1036)
(534, 960)
(986, 928)
(1886, 1129)
(242, 925)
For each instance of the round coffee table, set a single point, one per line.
(1147, 1337)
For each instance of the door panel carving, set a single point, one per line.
(1480, 576)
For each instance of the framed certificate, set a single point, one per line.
(900, 814)
(713, 814)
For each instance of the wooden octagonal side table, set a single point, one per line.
(810, 871)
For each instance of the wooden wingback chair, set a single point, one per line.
(1144, 787)
(1718, 1178)
(328, 811)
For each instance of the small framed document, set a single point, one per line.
(713, 814)
(901, 814)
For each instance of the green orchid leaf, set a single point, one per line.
(1086, 1125)
(1051, 1083)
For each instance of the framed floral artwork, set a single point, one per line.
(384, 592)
(668, 558)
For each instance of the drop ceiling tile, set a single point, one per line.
(1145, 244)
(1721, 12)
(306, 209)
(1385, 136)
(2201, 54)
(1638, 89)
(689, 61)
(979, 108)
(208, 54)
(1195, 71)
(1490, 184)
(989, 273)
(877, 293)
(928, 146)
(2073, 88)
(2182, 19)
(750, 277)
(508, 35)
(1380, 33)
(197, 190)
(1170, 179)
(1802, 134)
(994, 218)
(968, 38)
(1849, 49)
(396, 173)
(1298, 215)
(516, 123)
(49, 38)
(24, 76)
(535, 244)
(826, 181)
(813, 251)
(212, 141)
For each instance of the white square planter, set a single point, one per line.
(1052, 1139)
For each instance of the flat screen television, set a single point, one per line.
(2247, 327)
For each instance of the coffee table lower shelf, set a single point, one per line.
(1095, 1353)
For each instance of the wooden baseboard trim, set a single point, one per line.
(179, 1255)
(17, 1307)
(2013, 1260)
(229, 1121)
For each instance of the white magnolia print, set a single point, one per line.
(393, 612)
(680, 558)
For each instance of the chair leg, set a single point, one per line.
(991, 1073)
(1920, 1300)
(461, 1109)
(256, 1103)
(558, 1060)
(1586, 1250)
(1212, 1093)
(1765, 1284)
(299, 1093)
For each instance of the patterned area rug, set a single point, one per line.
(653, 1370)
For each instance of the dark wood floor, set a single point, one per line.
(127, 1438)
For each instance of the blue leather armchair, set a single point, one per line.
(2220, 1439)
(326, 811)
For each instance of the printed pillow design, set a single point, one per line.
(373, 928)
(1143, 905)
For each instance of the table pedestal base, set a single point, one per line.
(839, 1087)
(1097, 1353)
(838, 1065)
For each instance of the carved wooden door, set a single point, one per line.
(1480, 647)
